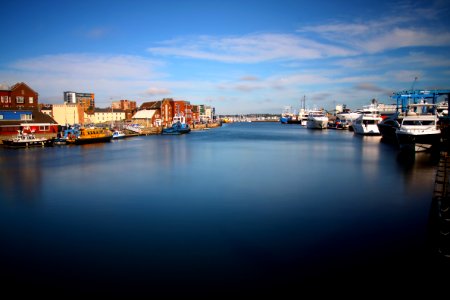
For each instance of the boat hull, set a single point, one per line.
(418, 142)
(83, 141)
(27, 144)
(294, 121)
(387, 131)
(316, 124)
(119, 136)
(176, 129)
(284, 120)
(366, 129)
(169, 131)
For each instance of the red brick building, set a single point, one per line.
(183, 108)
(195, 110)
(168, 108)
(163, 110)
(19, 96)
(128, 106)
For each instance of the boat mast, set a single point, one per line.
(414, 83)
(303, 103)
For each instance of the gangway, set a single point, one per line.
(134, 127)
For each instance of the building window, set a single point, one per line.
(44, 128)
(1, 117)
(19, 99)
(30, 100)
(26, 117)
(4, 99)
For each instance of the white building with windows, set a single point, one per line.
(105, 115)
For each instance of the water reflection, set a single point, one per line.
(240, 207)
(21, 176)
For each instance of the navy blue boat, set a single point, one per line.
(176, 129)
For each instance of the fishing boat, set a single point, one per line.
(287, 116)
(91, 135)
(25, 140)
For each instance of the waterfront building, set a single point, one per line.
(154, 113)
(105, 115)
(86, 100)
(68, 114)
(183, 109)
(128, 106)
(147, 118)
(18, 96)
(124, 104)
(195, 110)
(207, 113)
(46, 109)
(29, 120)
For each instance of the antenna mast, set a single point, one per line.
(414, 82)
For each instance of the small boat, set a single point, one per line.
(419, 128)
(338, 124)
(69, 133)
(25, 140)
(176, 129)
(91, 135)
(118, 134)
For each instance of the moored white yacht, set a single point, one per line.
(347, 115)
(317, 120)
(303, 116)
(419, 128)
(367, 122)
(388, 126)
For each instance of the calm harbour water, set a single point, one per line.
(246, 207)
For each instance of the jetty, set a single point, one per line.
(440, 207)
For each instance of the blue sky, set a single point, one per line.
(238, 56)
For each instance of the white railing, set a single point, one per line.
(134, 127)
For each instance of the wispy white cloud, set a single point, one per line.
(380, 63)
(405, 37)
(90, 66)
(253, 48)
(392, 31)
(105, 75)
(333, 61)
(328, 40)
(157, 91)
